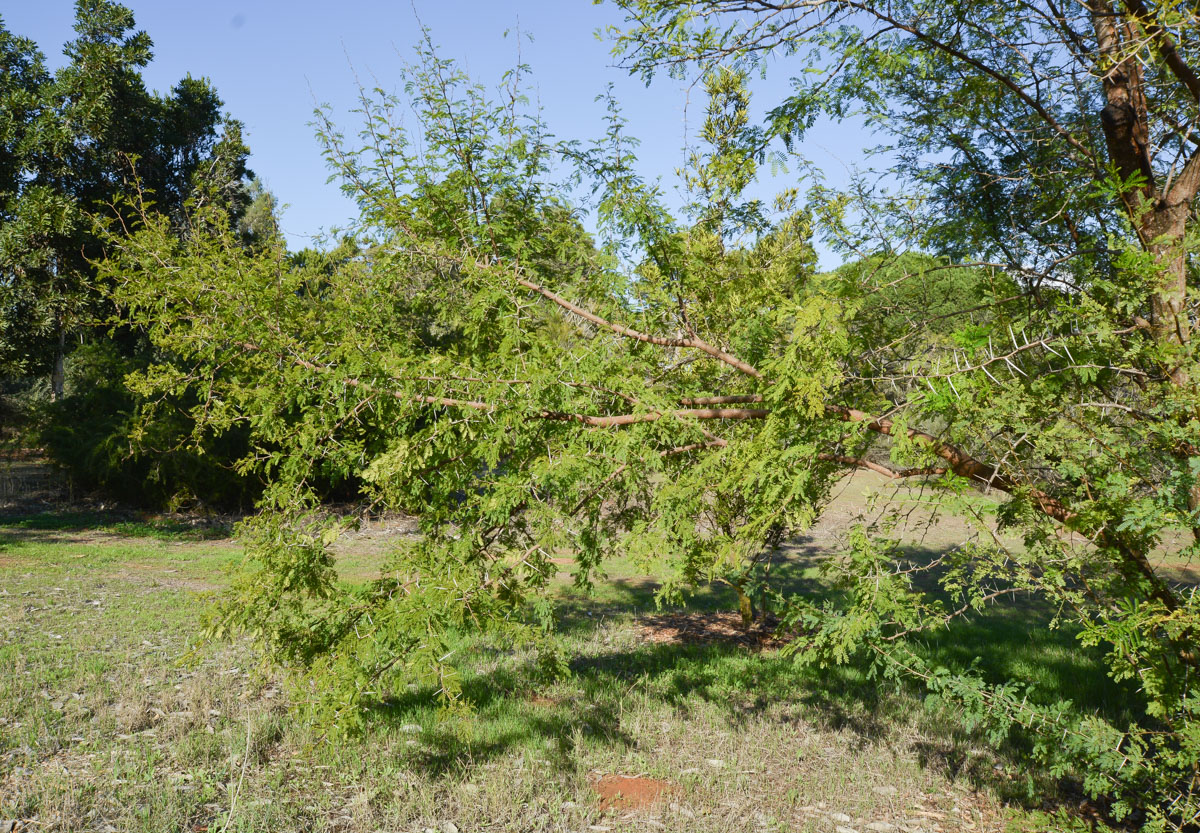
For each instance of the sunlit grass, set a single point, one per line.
(112, 716)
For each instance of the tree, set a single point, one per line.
(1054, 144)
(73, 145)
(71, 142)
(23, 77)
(687, 391)
(260, 222)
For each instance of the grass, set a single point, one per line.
(113, 719)
(165, 529)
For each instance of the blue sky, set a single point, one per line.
(272, 61)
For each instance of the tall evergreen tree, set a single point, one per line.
(70, 144)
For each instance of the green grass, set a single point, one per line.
(112, 718)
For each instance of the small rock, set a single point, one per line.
(7, 826)
(840, 817)
(881, 826)
(840, 829)
(449, 827)
(889, 790)
(715, 763)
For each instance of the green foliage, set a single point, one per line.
(688, 393)
(69, 144)
(95, 434)
(1054, 366)
(73, 146)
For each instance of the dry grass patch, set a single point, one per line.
(111, 719)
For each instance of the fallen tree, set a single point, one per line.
(688, 392)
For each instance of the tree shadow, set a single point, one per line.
(73, 526)
(744, 683)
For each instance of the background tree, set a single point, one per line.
(23, 77)
(71, 141)
(76, 143)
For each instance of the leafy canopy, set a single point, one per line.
(686, 389)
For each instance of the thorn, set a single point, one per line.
(1014, 367)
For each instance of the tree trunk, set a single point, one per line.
(1160, 215)
(58, 374)
(745, 607)
(1164, 231)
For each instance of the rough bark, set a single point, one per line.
(1159, 218)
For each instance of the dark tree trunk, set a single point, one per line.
(58, 374)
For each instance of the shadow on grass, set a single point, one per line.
(1002, 644)
(129, 525)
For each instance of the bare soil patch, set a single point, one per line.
(630, 792)
(715, 627)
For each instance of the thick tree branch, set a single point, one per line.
(894, 474)
(1123, 118)
(619, 420)
(1166, 47)
(738, 399)
(963, 464)
(663, 341)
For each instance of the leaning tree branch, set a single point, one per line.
(961, 463)
(982, 474)
(592, 420)
(894, 474)
(663, 341)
